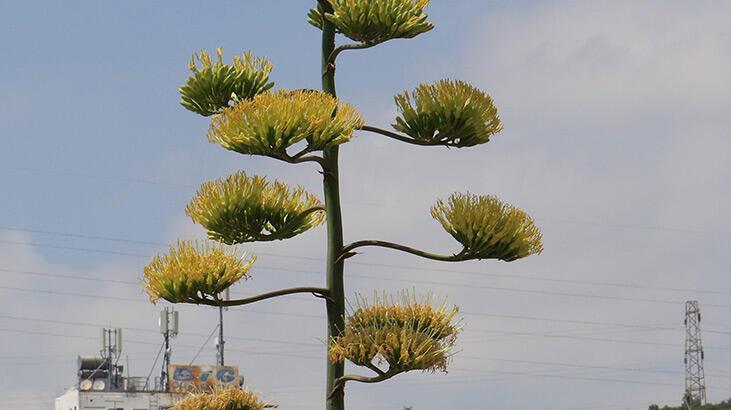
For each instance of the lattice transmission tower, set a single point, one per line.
(695, 380)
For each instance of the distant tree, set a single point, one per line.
(387, 335)
(724, 405)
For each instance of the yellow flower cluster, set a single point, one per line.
(192, 270)
(271, 122)
(375, 21)
(240, 209)
(488, 228)
(405, 333)
(451, 113)
(215, 85)
(230, 398)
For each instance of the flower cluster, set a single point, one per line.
(194, 270)
(488, 228)
(215, 85)
(405, 333)
(451, 113)
(229, 398)
(375, 21)
(271, 122)
(240, 209)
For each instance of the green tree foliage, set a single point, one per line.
(385, 336)
(724, 405)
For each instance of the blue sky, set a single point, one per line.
(616, 139)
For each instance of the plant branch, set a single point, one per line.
(375, 369)
(340, 381)
(319, 292)
(311, 210)
(404, 138)
(461, 256)
(300, 157)
(355, 46)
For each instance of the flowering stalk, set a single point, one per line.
(331, 189)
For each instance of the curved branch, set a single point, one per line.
(375, 369)
(300, 157)
(404, 138)
(355, 46)
(458, 257)
(311, 210)
(320, 292)
(340, 381)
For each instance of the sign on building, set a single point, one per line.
(192, 378)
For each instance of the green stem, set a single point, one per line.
(336, 303)
(403, 138)
(340, 382)
(355, 46)
(462, 256)
(319, 292)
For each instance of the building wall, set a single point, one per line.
(76, 400)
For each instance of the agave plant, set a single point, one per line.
(271, 122)
(388, 336)
(451, 113)
(372, 22)
(488, 228)
(241, 209)
(193, 271)
(215, 85)
(403, 333)
(222, 399)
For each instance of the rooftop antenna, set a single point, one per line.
(695, 380)
(168, 322)
(111, 350)
(219, 340)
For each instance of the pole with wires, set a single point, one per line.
(169, 328)
(219, 340)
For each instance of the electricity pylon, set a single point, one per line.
(695, 380)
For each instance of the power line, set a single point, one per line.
(373, 204)
(461, 369)
(510, 276)
(251, 352)
(532, 374)
(66, 276)
(123, 299)
(497, 288)
(203, 345)
(136, 283)
(73, 248)
(467, 313)
(98, 325)
(623, 341)
(572, 365)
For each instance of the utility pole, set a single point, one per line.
(219, 340)
(695, 380)
(169, 328)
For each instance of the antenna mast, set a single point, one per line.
(169, 328)
(695, 380)
(219, 340)
(111, 349)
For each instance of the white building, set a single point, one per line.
(74, 399)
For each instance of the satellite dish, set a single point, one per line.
(98, 385)
(85, 385)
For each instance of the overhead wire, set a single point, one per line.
(482, 274)
(366, 203)
(486, 287)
